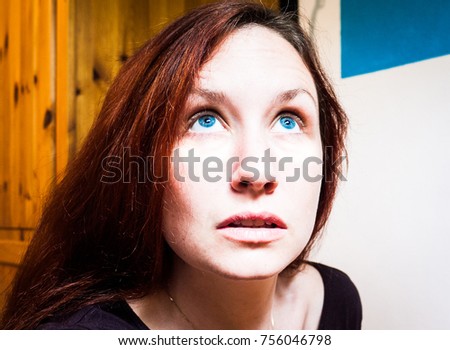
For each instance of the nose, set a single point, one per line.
(252, 174)
(243, 181)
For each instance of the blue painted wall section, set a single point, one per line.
(381, 34)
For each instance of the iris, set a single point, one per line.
(207, 121)
(288, 122)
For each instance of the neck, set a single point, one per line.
(209, 301)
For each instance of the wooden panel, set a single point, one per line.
(6, 276)
(10, 74)
(163, 12)
(10, 256)
(103, 39)
(11, 252)
(24, 138)
(273, 4)
(71, 87)
(96, 36)
(134, 26)
(26, 115)
(44, 85)
(4, 113)
(62, 85)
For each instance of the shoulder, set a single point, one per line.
(117, 315)
(342, 307)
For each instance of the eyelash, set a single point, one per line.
(298, 118)
(202, 113)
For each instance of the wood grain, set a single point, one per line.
(62, 85)
(11, 253)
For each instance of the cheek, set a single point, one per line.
(175, 212)
(300, 165)
(302, 179)
(201, 161)
(188, 220)
(187, 200)
(304, 201)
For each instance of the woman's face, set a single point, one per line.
(245, 182)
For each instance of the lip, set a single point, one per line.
(253, 234)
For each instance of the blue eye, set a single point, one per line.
(207, 123)
(287, 124)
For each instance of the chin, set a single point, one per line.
(251, 277)
(250, 271)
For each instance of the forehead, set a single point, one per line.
(255, 57)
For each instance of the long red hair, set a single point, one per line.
(100, 241)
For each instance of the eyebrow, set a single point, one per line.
(284, 97)
(213, 96)
(289, 95)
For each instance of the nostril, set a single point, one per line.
(256, 187)
(245, 183)
(270, 186)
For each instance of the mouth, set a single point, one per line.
(253, 228)
(258, 223)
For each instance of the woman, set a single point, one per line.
(217, 237)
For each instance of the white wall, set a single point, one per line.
(390, 227)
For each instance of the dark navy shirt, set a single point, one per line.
(341, 309)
